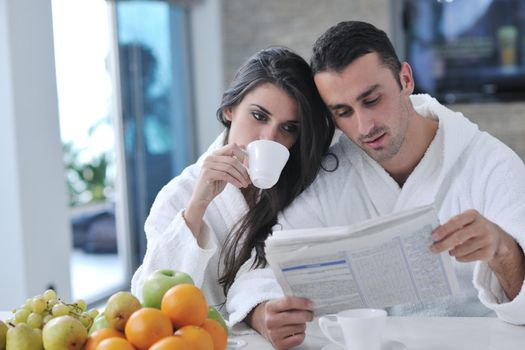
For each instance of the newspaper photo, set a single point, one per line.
(378, 263)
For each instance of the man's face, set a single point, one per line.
(368, 105)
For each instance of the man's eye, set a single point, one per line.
(259, 116)
(372, 102)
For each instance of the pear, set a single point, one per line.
(23, 337)
(64, 333)
(119, 308)
(3, 335)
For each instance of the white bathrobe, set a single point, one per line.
(463, 168)
(171, 244)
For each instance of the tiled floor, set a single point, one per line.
(93, 275)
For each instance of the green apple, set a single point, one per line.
(3, 335)
(214, 314)
(64, 333)
(158, 283)
(99, 323)
(23, 337)
(119, 308)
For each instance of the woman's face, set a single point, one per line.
(265, 113)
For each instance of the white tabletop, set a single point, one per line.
(419, 333)
(428, 333)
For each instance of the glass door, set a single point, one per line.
(156, 129)
(123, 78)
(82, 46)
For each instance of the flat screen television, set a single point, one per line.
(463, 50)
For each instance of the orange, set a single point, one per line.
(99, 335)
(115, 344)
(217, 332)
(185, 305)
(146, 326)
(171, 343)
(196, 336)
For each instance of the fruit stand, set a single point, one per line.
(174, 315)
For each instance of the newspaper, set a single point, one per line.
(379, 263)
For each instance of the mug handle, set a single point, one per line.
(326, 323)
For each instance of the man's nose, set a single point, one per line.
(365, 123)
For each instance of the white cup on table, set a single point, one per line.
(266, 160)
(362, 329)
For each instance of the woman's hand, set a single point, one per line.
(223, 166)
(282, 321)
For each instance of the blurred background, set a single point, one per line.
(103, 102)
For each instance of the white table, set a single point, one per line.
(430, 333)
(421, 333)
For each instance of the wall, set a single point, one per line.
(34, 230)
(206, 53)
(505, 121)
(249, 25)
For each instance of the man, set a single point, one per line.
(400, 151)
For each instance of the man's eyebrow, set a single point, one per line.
(261, 108)
(367, 92)
(363, 95)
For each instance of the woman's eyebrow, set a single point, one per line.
(261, 108)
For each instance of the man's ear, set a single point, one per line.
(406, 78)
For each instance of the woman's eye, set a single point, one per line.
(259, 116)
(291, 128)
(342, 113)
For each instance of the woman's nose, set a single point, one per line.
(270, 134)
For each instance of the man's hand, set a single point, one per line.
(470, 236)
(282, 321)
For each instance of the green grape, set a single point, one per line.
(93, 313)
(86, 320)
(60, 310)
(38, 331)
(47, 318)
(21, 315)
(51, 303)
(49, 294)
(38, 304)
(28, 305)
(34, 320)
(81, 304)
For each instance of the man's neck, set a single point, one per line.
(420, 134)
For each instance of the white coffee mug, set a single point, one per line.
(362, 329)
(266, 160)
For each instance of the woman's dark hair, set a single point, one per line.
(347, 41)
(291, 73)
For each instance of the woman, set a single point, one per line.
(208, 220)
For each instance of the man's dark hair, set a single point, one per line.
(347, 41)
